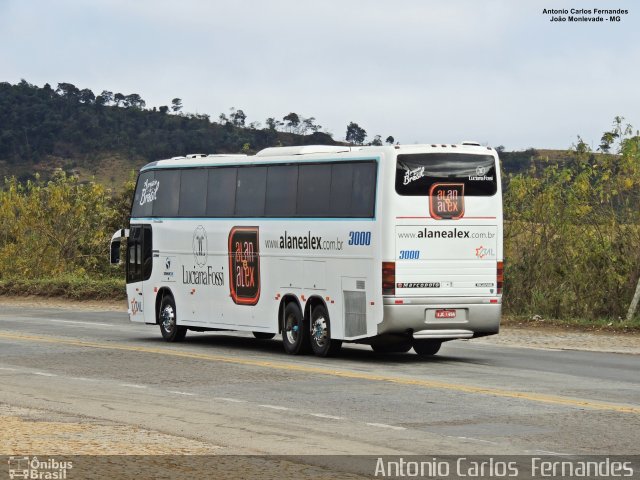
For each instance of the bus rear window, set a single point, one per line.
(416, 173)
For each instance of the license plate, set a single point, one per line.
(445, 314)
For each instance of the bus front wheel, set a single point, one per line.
(295, 331)
(321, 342)
(426, 347)
(168, 321)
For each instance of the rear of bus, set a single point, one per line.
(442, 247)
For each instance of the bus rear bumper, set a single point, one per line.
(441, 317)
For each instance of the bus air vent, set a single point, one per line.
(360, 284)
(355, 313)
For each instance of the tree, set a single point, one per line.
(237, 117)
(390, 140)
(105, 98)
(273, 124)
(292, 121)
(308, 124)
(134, 101)
(118, 98)
(68, 91)
(356, 134)
(176, 104)
(163, 109)
(377, 141)
(87, 96)
(606, 141)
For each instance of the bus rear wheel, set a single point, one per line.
(295, 331)
(168, 321)
(321, 342)
(426, 347)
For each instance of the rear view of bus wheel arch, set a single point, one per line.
(168, 321)
(295, 331)
(321, 342)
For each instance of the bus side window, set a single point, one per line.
(364, 190)
(250, 191)
(314, 190)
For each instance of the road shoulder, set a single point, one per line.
(513, 335)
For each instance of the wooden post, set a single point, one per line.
(634, 302)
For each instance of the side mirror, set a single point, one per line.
(116, 242)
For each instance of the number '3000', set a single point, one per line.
(409, 254)
(359, 238)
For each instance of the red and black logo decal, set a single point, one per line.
(446, 201)
(244, 265)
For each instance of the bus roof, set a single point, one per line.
(311, 153)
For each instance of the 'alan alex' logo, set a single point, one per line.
(200, 246)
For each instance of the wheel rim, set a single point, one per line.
(292, 329)
(168, 318)
(319, 331)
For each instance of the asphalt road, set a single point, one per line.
(247, 396)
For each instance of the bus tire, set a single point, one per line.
(295, 331)
(263, 335)
(321, 342)
(426, 347)
(168, 321)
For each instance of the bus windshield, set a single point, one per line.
(416, 173)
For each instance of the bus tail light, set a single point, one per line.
(388, 278)
(500, 276)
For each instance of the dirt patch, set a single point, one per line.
(559, 338)
(95, 450)
(27, 431)
(65, 304)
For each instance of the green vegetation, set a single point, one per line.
(572, 235)
(572, 218)
(71, 287)
(586, 324)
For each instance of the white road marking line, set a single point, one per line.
(324, 415)
(384, 425)
(44, 374)
(227, 399)
(181, 393)
(8, 369)
(79, 323)
(478, 440)
(274, 407)
(83, 379)
(132, 385)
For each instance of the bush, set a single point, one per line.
(572, 236)
(61, 227)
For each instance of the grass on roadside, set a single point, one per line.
(583, 324)
(70, 287)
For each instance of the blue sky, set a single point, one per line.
(421, 70)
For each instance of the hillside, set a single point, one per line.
(107, 136)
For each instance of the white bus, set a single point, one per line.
(396, 247)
